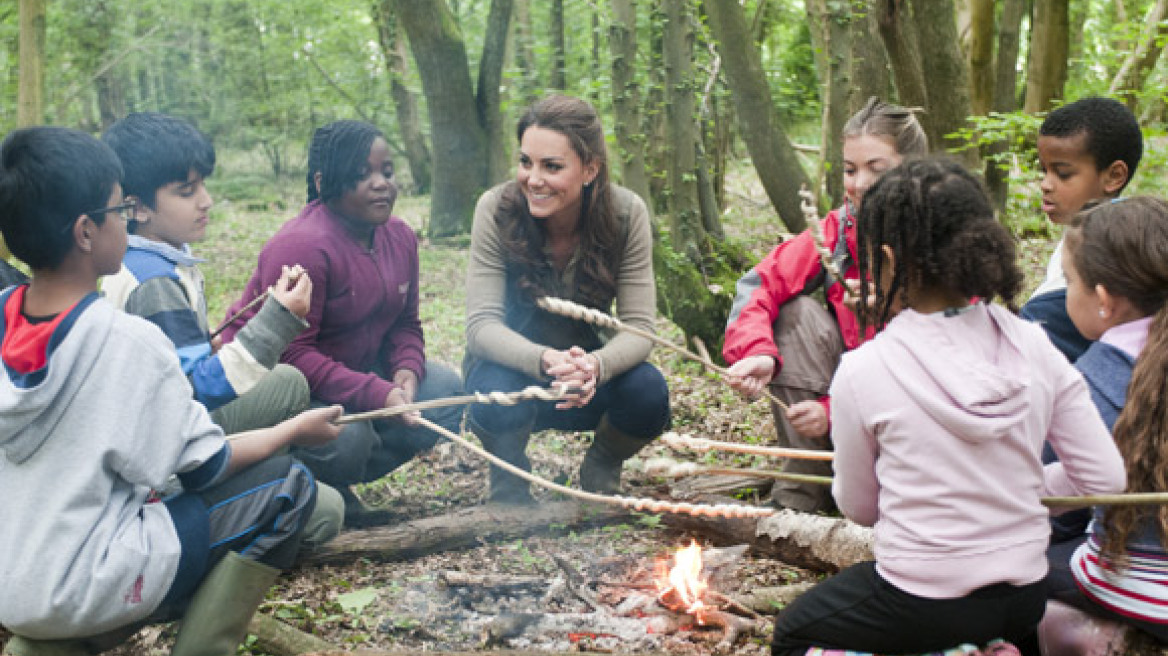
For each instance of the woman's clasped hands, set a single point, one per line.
(575, 371)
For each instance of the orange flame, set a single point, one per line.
(681, 587)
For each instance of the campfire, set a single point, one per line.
(622, 603)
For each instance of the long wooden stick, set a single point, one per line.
(499, 398)
(811, 214)
(632, 503)
(676, 441)
(670, 468)
(596, 317)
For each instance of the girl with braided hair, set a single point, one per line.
(1116, 265)
(363, 347)
(938, 423)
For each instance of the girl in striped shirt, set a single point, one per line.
(1116, 576)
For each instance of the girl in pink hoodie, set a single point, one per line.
(938, 424)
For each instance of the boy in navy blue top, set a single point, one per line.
(1088, 150)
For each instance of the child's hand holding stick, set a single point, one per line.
(293, 290)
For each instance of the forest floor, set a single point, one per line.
(375, 605)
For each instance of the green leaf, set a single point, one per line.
(356, 601)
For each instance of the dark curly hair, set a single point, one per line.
(599, 227)
(1113, 133)
(937, 219)
(1123, 246)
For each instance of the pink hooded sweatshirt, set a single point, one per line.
(938, 424)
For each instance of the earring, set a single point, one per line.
(1102, 313)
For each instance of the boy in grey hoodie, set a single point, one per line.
(95, 415)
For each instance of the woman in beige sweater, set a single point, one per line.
(562, 229)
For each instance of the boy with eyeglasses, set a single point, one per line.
(96, 415)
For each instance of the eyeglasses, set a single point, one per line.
(126, 210)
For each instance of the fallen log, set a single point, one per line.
(768, 601)
(458, 530)
(814, 542)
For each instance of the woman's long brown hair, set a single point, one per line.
(599, 227)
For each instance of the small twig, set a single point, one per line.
(230, 320)
(675, 441)
(733, 604)
(532, 393)
(669, 468)
(631, 503)
(596, 317)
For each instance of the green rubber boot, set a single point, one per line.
(216, 621)
(19, 646)
(611, 447)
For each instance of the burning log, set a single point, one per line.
(732, 627)
(458, 530)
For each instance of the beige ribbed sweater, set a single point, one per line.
(489, 338)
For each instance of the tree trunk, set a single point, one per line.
(1049, 43)
(529, 85)
(1130, 80)
(457, 137)
(458, 530)
(948, 90)
(770, 150)
(894, 22)
(981, 56)
(1005, 92)
(685, 216)
(30, 103)
(626, 98)
(833, 20)
(559, 56)
(405, 104)
(488, 100)
(869, 73)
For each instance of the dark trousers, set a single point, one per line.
(860, 611)
(367, 450)
(259, 513)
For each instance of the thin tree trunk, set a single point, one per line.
(685, 216)
(1005, 92)
(869, 73)
(948, 90)
(457, 137)
(770, 150)
(30, 102)
(1136, 68)
(626, 98)
(981, 55)
(834, 20)
(559, 57)
(1049, 44)
(893, 18)
(488, 100)
(405, 103)
(524, 58)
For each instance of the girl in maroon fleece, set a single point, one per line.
(363, 347)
